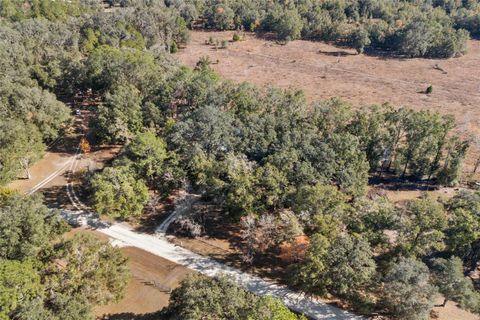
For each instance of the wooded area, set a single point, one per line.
(278, 166)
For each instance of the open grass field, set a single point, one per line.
(324, 71)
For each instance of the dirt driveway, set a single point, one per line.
(148, 289)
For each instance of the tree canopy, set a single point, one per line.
(407, 291)
(117, 193)
(199, 297)
(27, 227)
(287, 172)
(44, 276)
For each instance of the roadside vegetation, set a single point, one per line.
(199, 297)
(278, 167)
(44, 275)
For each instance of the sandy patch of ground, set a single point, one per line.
(43, 168)
(150, 284)
(215, 248)
(405, 195)
(452, 312)
(152, 279)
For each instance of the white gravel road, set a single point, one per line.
(159, 245)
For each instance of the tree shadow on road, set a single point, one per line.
(66, 144)
(57, 197)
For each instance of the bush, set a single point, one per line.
(220, 17)
(429, 90)
(187, 227)
(200, 297)
(174, 47)
(407, 291)
(236, 37)
(6, 193)
(359, 39)
(287, 24)
(429, 38)
(224, 44)
(203, 63)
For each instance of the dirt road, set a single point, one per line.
(160, 246)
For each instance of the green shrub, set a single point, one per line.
(429, 90)
(236, 37)
(174, 47)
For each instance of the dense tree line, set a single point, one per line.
(46, 276)
(254, 152)
(420, 28)
(287, 168)
(413, 28)
(280, 167)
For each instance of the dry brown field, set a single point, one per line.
(324, 71)
(148, 290)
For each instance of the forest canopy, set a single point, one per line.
(46, 276)
(420, 28)
(285, 171)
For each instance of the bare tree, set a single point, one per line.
(25, 163)
(259, 235)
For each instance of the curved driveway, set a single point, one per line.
(160, 246)
(157, 244)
